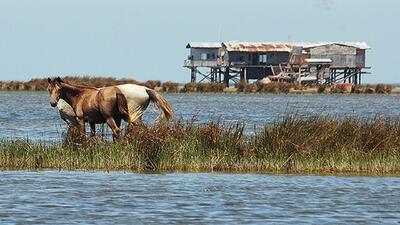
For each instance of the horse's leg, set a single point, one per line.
(68, 138)
(118, 122)
(81, 124)
(92, 129)
(115, 130)
(69, 132)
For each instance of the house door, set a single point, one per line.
(254, 59)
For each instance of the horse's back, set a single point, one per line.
(107, 93)
(138, 99)
(135, 94)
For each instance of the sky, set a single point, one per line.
(146, 39)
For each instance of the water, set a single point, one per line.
(50, 197)
(29, 115)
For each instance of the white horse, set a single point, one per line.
(138, 98)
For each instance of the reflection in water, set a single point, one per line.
(29, 115)
(82, 197)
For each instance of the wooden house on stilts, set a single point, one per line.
(314, 63)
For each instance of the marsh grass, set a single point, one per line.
(40, 84)
(318, 145)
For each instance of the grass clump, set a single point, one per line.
(152, 84)
(170, 86)
(319, 145)
(210, 87)
(371, 89)
(189, 87)
(246, 87)
(40, 84)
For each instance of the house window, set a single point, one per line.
(203, 56)
(360, 58)
(210, 56)
(262, 59)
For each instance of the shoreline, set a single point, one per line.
(40, 84)
(395, 91)
(224, 172)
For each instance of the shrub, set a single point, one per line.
(249, 88)
(210, 87)
(369, 90)
(380, 89)
(389, 88)
(217, 87)
(152, 84)
(190, 87)
(41, 83)
(357, 89)
(284, 87)
(342, 88)
(268, 87)
(127, 81)
(170, 86)
(245, 87)
(241, 86)
(321, 88)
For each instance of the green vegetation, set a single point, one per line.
(204, 87)
(319, 145)
(268, 87)
(173, 87)
(41, 84)
(170, 87)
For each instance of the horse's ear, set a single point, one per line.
(49, 80)
(59, 80)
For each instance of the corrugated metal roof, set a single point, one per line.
(271, 46)
(257, 46)
(203, 45)
(359, 45)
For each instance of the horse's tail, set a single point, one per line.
(122, 105)
(162, 103)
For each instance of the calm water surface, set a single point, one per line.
(29, 115)
(123, 198)
(51, 197)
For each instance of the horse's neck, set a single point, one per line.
(71, 93)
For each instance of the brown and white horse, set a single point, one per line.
(67, 96)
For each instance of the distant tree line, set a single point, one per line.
(40, 84)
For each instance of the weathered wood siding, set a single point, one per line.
(199, 53)
(203, 57)
(341, 56)
(256, 58)
(333, 49)
(360, 58)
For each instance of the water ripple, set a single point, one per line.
(80, 197)
(30, 115)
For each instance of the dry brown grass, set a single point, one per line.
(170, 86)
(319, 145)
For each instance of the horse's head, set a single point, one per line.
(54, 89)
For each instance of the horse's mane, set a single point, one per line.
(80, 86)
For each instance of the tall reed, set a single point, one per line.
(318, 145)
